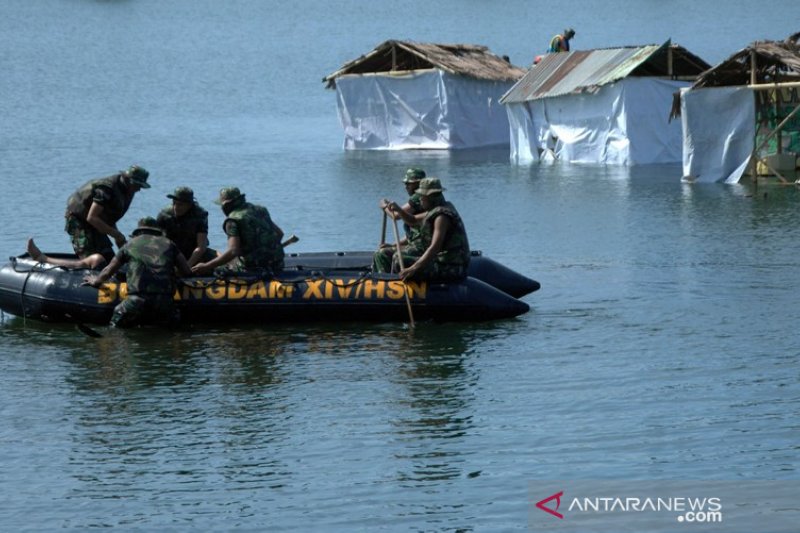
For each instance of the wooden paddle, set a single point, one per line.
(83, 328)
(291, 240)
(400, 259)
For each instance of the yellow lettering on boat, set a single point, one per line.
(374, 288)
(279, 290)
(343, 288)
(417, 289)
(123, 291)
(107, 293)
(313, 290)
(216, 291)
(190, 291)
(328, 290)
(257, 289)
(237, 291)
(396, 290)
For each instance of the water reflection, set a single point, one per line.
(174, 411)
(245, 416)
(432, 414)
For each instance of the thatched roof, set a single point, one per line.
(469, 60)
(776, 62)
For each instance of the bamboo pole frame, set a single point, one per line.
(778, 129)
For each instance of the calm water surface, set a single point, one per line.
(663, 344)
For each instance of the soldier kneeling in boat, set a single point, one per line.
(442, 251)
(152, 260)
(382, 259)
(254, 240)
(186, 224)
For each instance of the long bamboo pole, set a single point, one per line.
(405, 287)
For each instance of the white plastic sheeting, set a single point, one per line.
(425, 109)
(623, 123)
(719, 129)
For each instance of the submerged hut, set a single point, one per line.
(406, 95)
(743, 115)
(601, 106)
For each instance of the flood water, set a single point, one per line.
(662, 345)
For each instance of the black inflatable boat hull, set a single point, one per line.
(480, 267)
(52, 293)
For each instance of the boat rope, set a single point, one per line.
(25, 285)
(37, 267)
(197, 284)
(359, 280)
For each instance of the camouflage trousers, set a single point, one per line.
(86, 240)
(135, 310)
(386, 260)
(444, 272)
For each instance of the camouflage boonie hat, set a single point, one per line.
(182, 194)
(137, 175)
(145, 224)
(430, 186)
(228, 194)
(413, 174)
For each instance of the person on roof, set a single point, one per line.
(91, 218)
(560, 42)
(382, 260)
(442, 251)
(186, 224)
(152, 260)
(254, 240)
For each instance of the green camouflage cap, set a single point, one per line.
(228, 194)
(429, 186)
(182, 194)
(137, 175)
(146, 224)
(413, 174)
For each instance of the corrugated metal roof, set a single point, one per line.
(578, 72)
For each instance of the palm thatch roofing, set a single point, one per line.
(469, 60)
(775, 62)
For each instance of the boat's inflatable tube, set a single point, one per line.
(45, 292)
(480, 267)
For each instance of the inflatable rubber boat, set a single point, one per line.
(321, 286)
(480, 267)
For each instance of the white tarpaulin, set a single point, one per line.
(719, 128)
(623, 123)
(427, 109)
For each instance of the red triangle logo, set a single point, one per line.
(557, 497)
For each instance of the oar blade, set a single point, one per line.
(86, 330)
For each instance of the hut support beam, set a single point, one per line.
(754, 159)
(778, 128)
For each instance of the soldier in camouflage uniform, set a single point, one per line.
(186, 224)
(442, 251)
(382, 259)
(92, 215)
(152, 260)
(254, 240)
